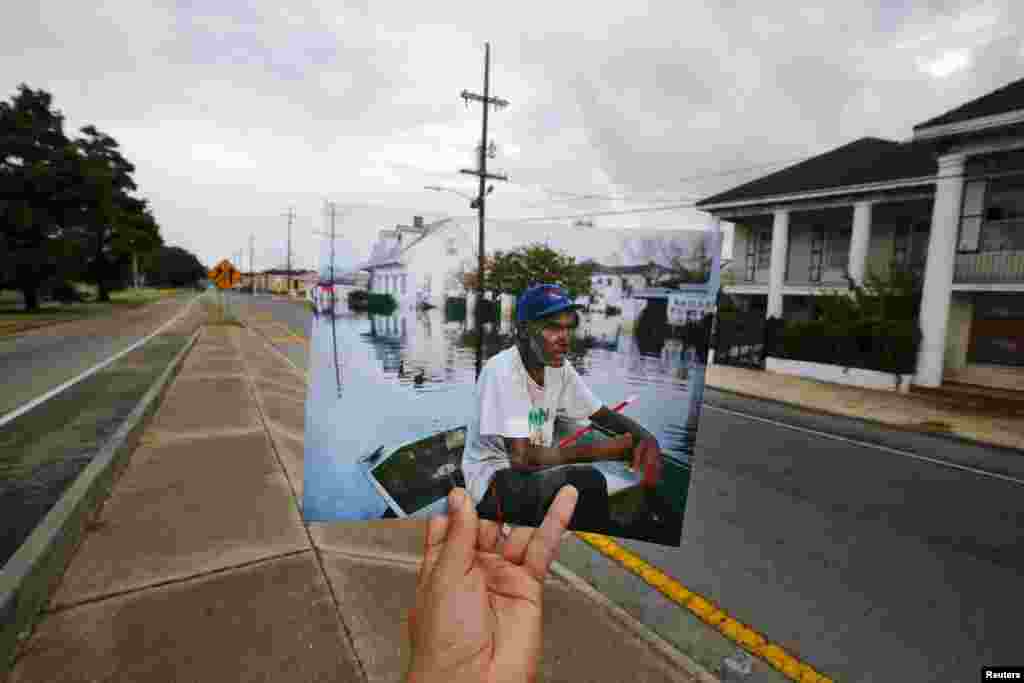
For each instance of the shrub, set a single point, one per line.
(381, 304)
(454, 310)
(874, 327)
(66, 293)
(488, 310)
(358, 300)
(612, 310)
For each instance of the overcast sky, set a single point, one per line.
(234, 112)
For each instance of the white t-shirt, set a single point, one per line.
(507, 406)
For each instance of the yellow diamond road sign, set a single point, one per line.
(225, 275)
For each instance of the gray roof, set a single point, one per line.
(1004, 100)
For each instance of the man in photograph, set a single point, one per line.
(512, 467)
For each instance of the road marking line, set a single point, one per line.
(707, 611)
(25, 407)
(868, 444)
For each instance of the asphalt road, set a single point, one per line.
(34, 362)
(829, 538)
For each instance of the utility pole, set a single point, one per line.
(481, 173)
(252, 270)
(288, 278)
(331, 209)
(333, 237)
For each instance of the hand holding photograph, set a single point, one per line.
(569, 372)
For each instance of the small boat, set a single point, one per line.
(414, 479)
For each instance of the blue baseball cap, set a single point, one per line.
(541, 301)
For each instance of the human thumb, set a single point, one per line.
(460, 546)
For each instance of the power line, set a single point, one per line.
(592, 214)
(922, 180)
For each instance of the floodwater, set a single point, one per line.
(381, 381)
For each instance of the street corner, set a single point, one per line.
(221, 627)
(169, 518)
(583, 642)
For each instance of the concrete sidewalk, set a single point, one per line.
(889, 408)
(200, 568)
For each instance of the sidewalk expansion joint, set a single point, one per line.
(404, 560)
(160, 437)
(283, 396)
(282, 386)
(349, 637)
(64, 607)
(213, 376)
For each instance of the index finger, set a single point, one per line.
(544, 543)
(433, 543)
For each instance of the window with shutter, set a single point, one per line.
(764, 249)
(817, 253)
(751, 270)
(972, 216)
(839, 248)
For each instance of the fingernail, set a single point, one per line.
(455, 499)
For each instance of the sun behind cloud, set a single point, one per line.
(946, 64)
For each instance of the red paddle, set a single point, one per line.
(571, 439)
(561, 444)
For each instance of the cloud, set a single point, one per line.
(235, 111)
(948, 63)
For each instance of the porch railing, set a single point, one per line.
(993, 266)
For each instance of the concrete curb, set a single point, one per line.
(31, 574)
(950, 436)
(673, 655)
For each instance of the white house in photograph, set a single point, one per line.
(422, 263)
(613, 285)
(948, 203)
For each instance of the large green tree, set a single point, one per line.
(174, 267)
(105, 188)
(137, 237)
(38, 197)
(513, 271)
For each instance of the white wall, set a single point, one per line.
(858, 377)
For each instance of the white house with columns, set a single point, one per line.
(948, 203)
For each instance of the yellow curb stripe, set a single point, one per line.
(707, 611)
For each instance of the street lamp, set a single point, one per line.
(474, 202)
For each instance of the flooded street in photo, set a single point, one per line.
(380, 381)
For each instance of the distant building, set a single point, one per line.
(611, 285)
(281, 281)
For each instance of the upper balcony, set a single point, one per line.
(1000, 255)
(990, 267)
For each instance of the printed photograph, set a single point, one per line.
(581, 364)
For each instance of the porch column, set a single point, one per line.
(715, 230)
(777, 269)
(715, 281)
(859, 240)
(938, 270)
